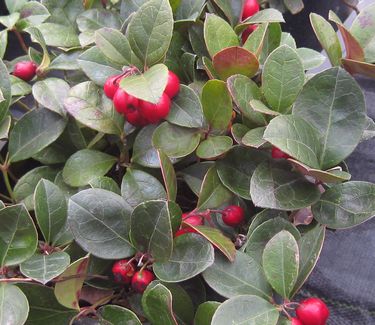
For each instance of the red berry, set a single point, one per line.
(173, 85)
(123, 271)
(125, 103)
(183, 231)
(111, 85)
(312, 311)
(296, 321)
(153, 113)
(193, 220)
(250, 8)
(25, 70)
(278, 154)
(246, 33)
(141, 280)
(134, 117)
(233, 215)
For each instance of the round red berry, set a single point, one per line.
(193, 220)
(173, 85)
(141, 280)
(278, 154)
(233, 215)
(153, 113)
(25, 70)
(123, 271)
(247, 32)
(296, 321)
(111, 86)
(250, 8)
(125, 103)
(312, 311)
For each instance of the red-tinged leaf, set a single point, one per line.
(356, 67)
(95, 295)
(216, 238)
(235, 60)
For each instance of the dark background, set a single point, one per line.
(345, 274)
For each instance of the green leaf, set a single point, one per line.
(218, 34)
(282, 78)
(115, 46)
(205, 312)
(254, 137)
(363, 30)
(144, 153)
(175, 141)
(217, 105)
(249, 310)
(237, 167)
(310, 246)
(327, 38)
(269, 15)
(15, 5)
(151, 228)
(281, 262)
(18, 237)
(36, 36)
(9, 21)
(59, 35)
(44, 268)
(19, 87)
(5, 88)
(191, 255)
(106, 217)
(186, 109)
(213, 193)
(338, 115)
(214, 147)
(310, 58)
(14, 307)
(86, 165)
(345, 205)
(148, 86)
(294, 6)
(93, 109)
(254, 42)
(169, 176)
(157, 305)
(3, 45)
(237, 131)
(105, 183)
(259, 106)
(189, 10)
(261, 235)
(67, 292)
(5, 127)
(33, 132)
(118, 315)
(32, 13)
(44, 306)
(271, 41)
(194, 175)
(24, 189)
(130, 6)
(274, 185)
(235, 60)
(50, 209)
(242, 277)
(296, 137)
(231, 9)
(51, 94)
(150, 31)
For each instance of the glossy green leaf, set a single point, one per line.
(19, 87)
(214, 147)
(5, 127)
(148, 86)
(14, 5)
(67, 292)
(238, 131)
(340, 97)
(310, 58)
(86, 165)
(144, 152)
(254, 137)
(50, 209)
(36, 36)
(32, 13)
(151, 228)
(157, 305)
(169, 176)
(269, 15)
(128, 7)
(236, 169)
(231, 9)
(105, 183)
(213, 193)
(3, 43)
(217, 105)
(189, 10)
(205, 312)
(249, 310)
(175, 141)
(282, 78)
(44, 268)
(194, 175)
(14, 307)
(44, 306)
(243, 276)
(118, 315)
(186, 109)
(255, 41)
(105, 216)
(150, 31)
(59, 35)
(281, 262)
(18, 236)
(218, 34)
(10, 20)
(191, 255)
(260, 107)
(327, 38)
(274, 185)
(346, 205)
(93, 109)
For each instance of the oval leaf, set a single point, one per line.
(117, 315)
(205, 312)
(214, 147)
(14, 307)
(169, 175)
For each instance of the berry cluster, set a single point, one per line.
(124, 271)
(311, 311)
(136, 111)
(25, 70)
(250, 8)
